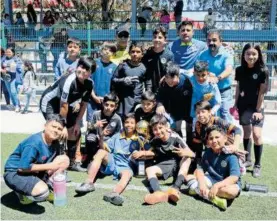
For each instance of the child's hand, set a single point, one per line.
(98, 100)
(136, 154)
(106, 131)
(213, 191)
(100, 123)
(204, 191)
(160, 110)
(181, 152)
(257, 116)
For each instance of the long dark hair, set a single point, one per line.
(29, 67)
(259, 65)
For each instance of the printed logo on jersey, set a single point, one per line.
(255, 76)
(223, 163)
(64, 95)
(186, 92)
(163, 60)
(113, 124)
(242, 94)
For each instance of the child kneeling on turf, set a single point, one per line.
(114, 159)
(169, 152)
(217, 176)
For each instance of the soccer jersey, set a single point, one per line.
(67, 89)
(163, 149)
(129, 95)
(120, 56)
(186, 55)
(114, 123)
(218, 63)
(64, 66)
(102, 77)
(177, 99)
(250, 81)
(32, 150)
(141, 115)
(219, 165)
(200, 132)
(205, 91)
(155, 64)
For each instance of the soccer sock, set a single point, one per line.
(258, 149)
(179, 181)
(247, 144)
(154, 184)
(71, 149)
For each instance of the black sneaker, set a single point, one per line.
(256, 171)
(114, 198)
(85, 188)
(76, 166)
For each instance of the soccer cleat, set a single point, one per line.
(85, 188)
(76, 166)
(156, 197)
(114, 198)
(220, 202)
(173, 194)
(256, 171)
(192, 192)
(24, 200)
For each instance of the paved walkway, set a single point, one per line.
(12, 122)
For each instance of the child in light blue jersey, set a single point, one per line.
(68, 61)
(101, 78)
(203, 90)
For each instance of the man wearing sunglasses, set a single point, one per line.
(122, 44)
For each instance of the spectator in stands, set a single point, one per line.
(3, 85)
(20, 24)
(125, 25)
(165, 19)
(122, 45)
(144, 17)
(186, 49)
(12, 68)
(48, 19)
(32, 19)
(220, 67)
(58, 22)
(209, 21)
(43, 53)
(68, 61)
(6, 23)
(252, 84)
(178, 11)
(156, 58)
(59, 45)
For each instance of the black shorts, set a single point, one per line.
(169, 168)
(21, 183)
(245, 118)
(142, 20)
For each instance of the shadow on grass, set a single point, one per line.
(11, 200)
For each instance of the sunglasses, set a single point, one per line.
(123, 35)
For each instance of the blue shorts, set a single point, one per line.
(112, 169)
(21, 183)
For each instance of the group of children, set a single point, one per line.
(153, 106)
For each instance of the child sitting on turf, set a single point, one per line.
(203, 89)
(217, 176)
(104, 123)
(114, 159)
(170, 153)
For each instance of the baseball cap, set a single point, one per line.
(123, 32)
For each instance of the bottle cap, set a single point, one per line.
(59, 177)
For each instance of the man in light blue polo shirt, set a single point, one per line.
(221, 66)
(186, 50)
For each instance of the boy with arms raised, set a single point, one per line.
(217, 177)
(114, 159)
(170, 153)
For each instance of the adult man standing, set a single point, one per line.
(186, 49)
(122, 44)
(220, 66)
(209, 21)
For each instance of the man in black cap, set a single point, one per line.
(122, 40)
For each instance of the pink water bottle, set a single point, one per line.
(59, 183)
